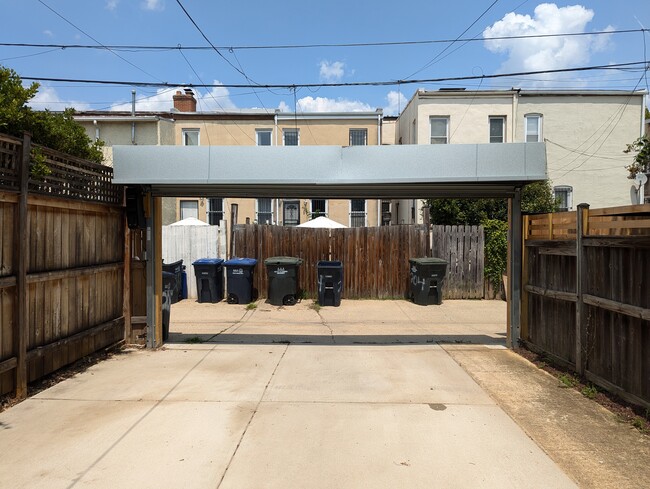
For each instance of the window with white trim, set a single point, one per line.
(497, 129)
(563, 195)
(357, 213)
(318, 208)
(533, 128)
(189, 208)
(265, 211)
(191, 137)
(358, 137)
(215, 211)
(439, 130)
(291, 137)
(263, 137)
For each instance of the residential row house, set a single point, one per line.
(585, 133)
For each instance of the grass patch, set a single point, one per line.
(251, 305)
(589, 391)
(194, 340)
(315, 306)
(567, 380)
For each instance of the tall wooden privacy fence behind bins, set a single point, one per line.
(585, 301)
(61, 263)
(375, 260)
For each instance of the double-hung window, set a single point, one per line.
(291, 137)
(265, 211)
(263, 137)
(189, 208)
(358, 137)
(439, 130)
(497, 129)
(191, 137)
(357, 213)
(533, 128)
(563, 197)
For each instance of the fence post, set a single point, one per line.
(514, 277)
(21, 250)
(582, 221)
(233, 222)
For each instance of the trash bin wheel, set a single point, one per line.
(289, 300)
(233, 299)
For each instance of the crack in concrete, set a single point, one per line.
(257, 406)
(324, 323)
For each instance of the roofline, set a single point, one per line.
(524, 93)
(121, 118)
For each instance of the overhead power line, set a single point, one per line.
(178, 47)
(641, 66)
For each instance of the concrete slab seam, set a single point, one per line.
(250, 420)
(237, 324)
(138, 421)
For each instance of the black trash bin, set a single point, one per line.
(283, 279)
(427, 280)
(209, 279)
(239, 280)
(169, 282)
(330, 282)
(177, 269)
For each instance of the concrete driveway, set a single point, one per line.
(363, 395)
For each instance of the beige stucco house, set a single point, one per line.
(585, 134)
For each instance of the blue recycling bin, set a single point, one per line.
(239, 280)
(209, 279)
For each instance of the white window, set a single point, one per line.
(358, 137)
(263, 137)
(290, 137)
(563, 197)
(191, 137)
(215, 212)
(533, 128)
(189, 208)
(439, 130)
(497, 129)
(318, 208)
(265, 211)
(357, 213)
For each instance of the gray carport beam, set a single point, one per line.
(409, 171)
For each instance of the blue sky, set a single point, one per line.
(256, 23)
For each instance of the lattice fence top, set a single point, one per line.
(70, 177)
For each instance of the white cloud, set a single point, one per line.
(549, 53)
(48, 98)
(153, 5)
(324, 104)
(48, 33)
(111, 4)
(217, 99)
(332, 71)
(396, 102)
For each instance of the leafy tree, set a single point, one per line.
(54, 130)
(641, 162)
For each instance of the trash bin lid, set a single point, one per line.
(240, 262)
(208, 261)
(329, 264)
(428, 261)
(282, 260)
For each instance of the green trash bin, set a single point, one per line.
(427, 280)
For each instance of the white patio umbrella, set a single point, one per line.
(321, 222)
(189, 221)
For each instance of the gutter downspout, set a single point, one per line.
(133, 115)
(96, 130)
(515, 110)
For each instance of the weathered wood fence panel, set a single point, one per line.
(463, 248)
(585, 299)
(190, 243)
(68, 302)
(375, 260)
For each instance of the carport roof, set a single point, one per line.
(404, 171)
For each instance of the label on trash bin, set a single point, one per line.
(280, 271)
(238, 271)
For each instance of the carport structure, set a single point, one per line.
(333, 172)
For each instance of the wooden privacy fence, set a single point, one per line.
(375, 260)
(61, 263)
(585, 301)
(190, 243)
(463, 249)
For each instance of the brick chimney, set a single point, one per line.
(185, 102)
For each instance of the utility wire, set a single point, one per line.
(146, 47)
(617, 66)
(91, 37)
